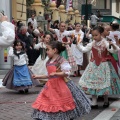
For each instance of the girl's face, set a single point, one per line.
(62, 27)
(47, 38)
(50, 52)
(96, 35)
(107, 31)
(18, 47)
(77, 27)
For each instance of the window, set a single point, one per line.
(102, 4)
(117, 6)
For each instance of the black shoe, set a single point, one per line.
(106, 105)
(94, 106)
(21, 91)
(26, 90)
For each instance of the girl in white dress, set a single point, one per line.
(39, 67)
(77, 34)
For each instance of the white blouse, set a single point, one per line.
(65, 67)
(61, 35)
(22, 60)
(39, 45)
(89, 46)
(111, 35)
(8, 34)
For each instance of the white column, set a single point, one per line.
(5, 5)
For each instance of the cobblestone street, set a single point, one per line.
(15, 106)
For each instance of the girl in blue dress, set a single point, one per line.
(18, 78)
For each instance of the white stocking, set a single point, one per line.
(94, 99)
(106, 98)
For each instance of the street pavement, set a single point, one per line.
(15, 106)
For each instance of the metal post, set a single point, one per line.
(86, 11)
(10, 5)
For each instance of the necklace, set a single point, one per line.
(98, 43)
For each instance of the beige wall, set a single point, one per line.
(114, 13)
(17, 11)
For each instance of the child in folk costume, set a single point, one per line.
(39, 67)
(60, 99)
(105, 36)
(100, 77)
(77, 34)
(62, 36)
(113, 33)
(19, 78)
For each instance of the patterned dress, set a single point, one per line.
(58, 100)
(67, 54)
(100, 77)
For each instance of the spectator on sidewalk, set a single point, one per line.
(30, 28)
(27, 39)
(94, 19)
(33, 21)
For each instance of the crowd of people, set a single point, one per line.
(59, 53)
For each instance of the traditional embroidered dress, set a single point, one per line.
(19, 77)
(67, 54)
(100, 77)
(39, 67)
(58, 100)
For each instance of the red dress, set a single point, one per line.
(103, 58)
(55, 96)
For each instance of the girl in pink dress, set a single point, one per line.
(60, 99)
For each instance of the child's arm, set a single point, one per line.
(64, 71)
(40, 76)
(117, 39)
(26, 58)
(10, 52)
(61, 74)
(114, 48)
(83, 49)
(37, 46)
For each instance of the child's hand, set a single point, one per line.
(34, 76)
(116, 37)
(30, 47)
(52, 74)
(3, 18)
(110, 43)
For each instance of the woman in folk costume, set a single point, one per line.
(100, 77)
(78, 35)
(39, 68)
(60, 99)
(63, 37)
(19, 77)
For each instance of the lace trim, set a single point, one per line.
(53, 108)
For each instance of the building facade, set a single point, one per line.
(19, 10)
